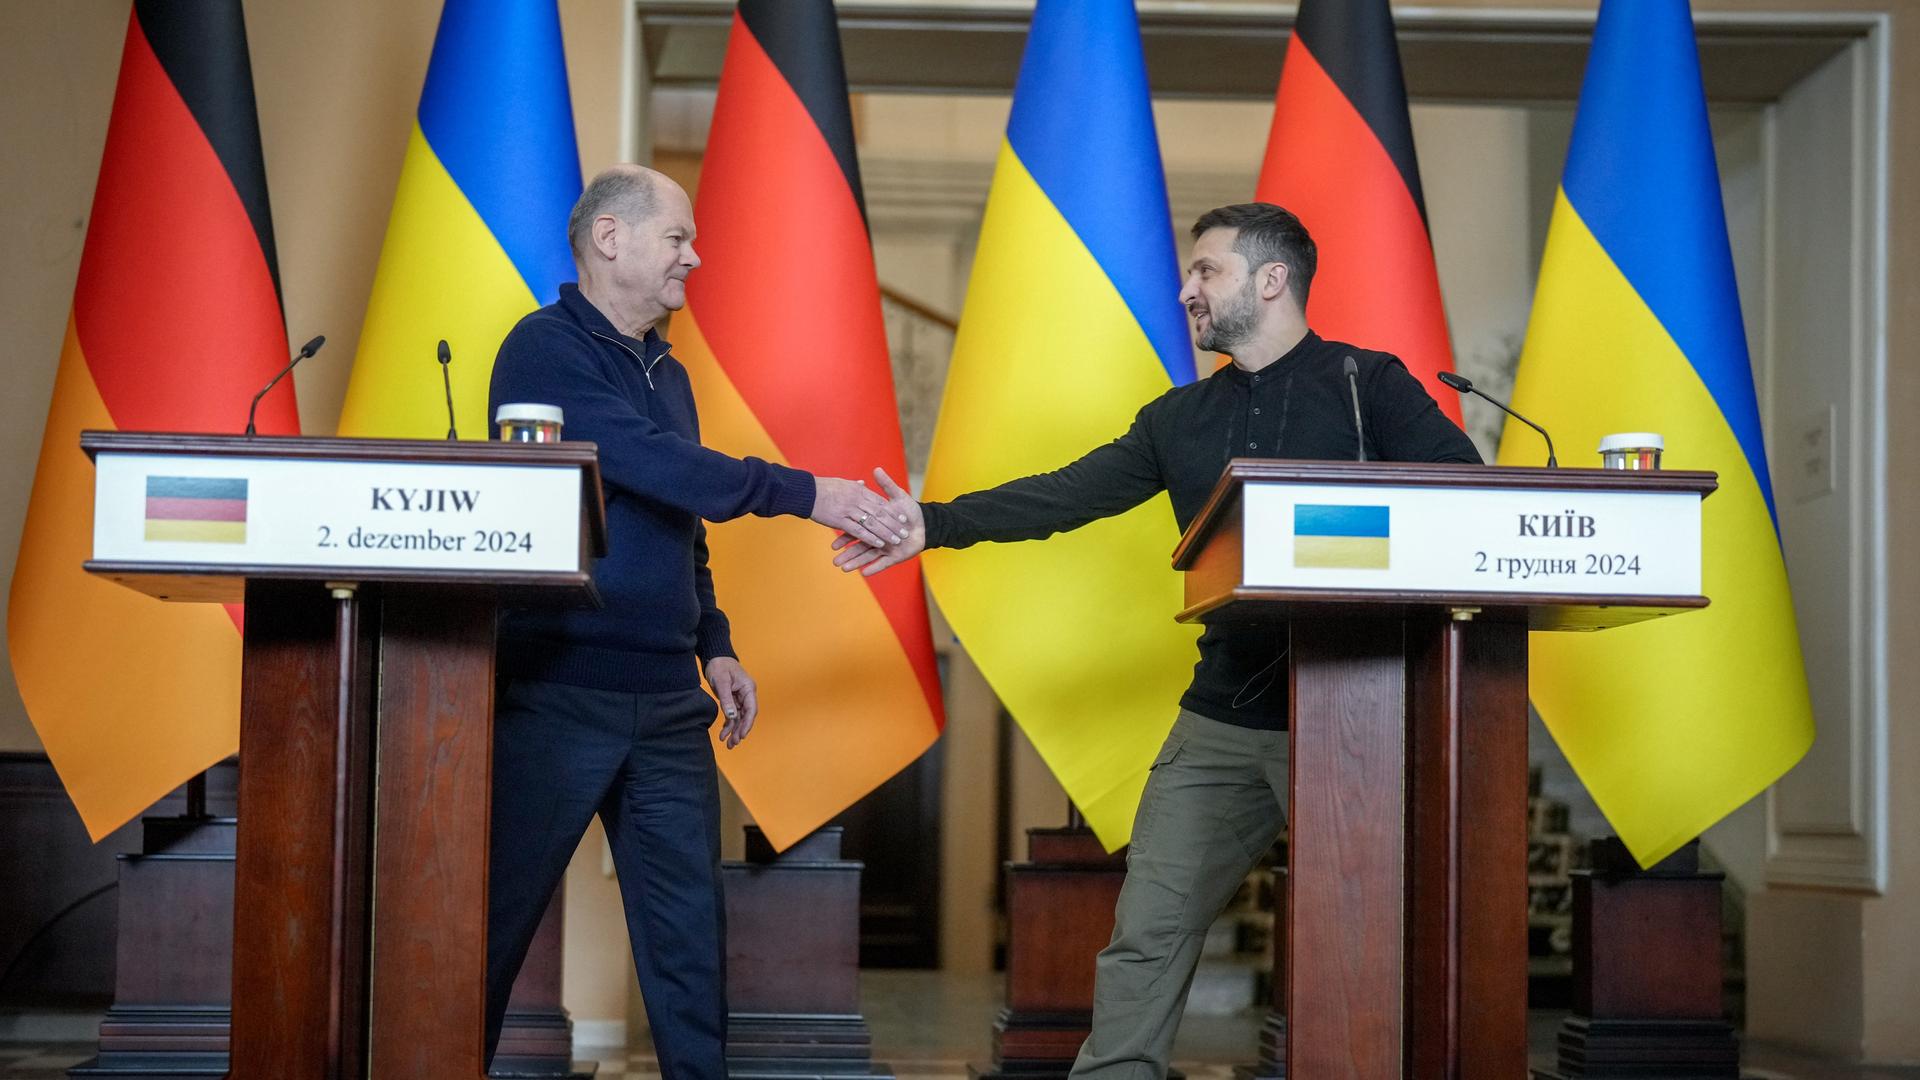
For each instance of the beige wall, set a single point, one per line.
(56, 86)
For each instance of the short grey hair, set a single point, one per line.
(628, 193)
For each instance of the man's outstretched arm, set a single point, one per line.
(1110, 480)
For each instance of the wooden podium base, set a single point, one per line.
(1405, 921)
(789, 1047)
(793, 963)
(1407, 840)
(175, 965)
(1646, 973)
(174, 955)
(1059, 916)
(1049, 1045)
(359, 873)
(536, 1043)
(1591, 1049)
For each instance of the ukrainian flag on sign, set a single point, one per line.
(1341, 537)
(478, 236)
(1671, 724)
(1072, 322)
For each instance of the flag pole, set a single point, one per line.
(197, 796)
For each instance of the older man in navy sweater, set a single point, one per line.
(602, 712)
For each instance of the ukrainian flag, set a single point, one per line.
(1072, 322)
(478, 236)
(1673, 723)
(1341, 537)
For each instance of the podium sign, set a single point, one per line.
(334, 514)
(1479, 540)
(1407, 593)
(193, 518)
(1561, 549)
(372, 572)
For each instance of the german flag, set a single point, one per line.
(197, 509)
(784, 340)
(176, 322)
(1340, 156)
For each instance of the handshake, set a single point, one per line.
(875, 533)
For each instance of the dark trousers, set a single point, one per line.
(643, 762)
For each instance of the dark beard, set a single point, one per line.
(1231, 324)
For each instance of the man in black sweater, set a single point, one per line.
(1216, 797)
(601, 711)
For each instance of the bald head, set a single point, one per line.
(632, 234)
(628, 192)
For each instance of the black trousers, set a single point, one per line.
(644, 763)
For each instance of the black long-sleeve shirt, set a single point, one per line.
(1299, 408)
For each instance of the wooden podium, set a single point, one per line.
(371, 571)
(1409, 591)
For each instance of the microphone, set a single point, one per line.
(306, 350)
(446, 382)
(1465, 386)
(1359, 433)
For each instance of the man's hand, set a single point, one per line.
(870, 559)
(853, 508)
(738, 701)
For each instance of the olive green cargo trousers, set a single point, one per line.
(1214, 804)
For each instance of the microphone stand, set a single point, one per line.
(1465, 386)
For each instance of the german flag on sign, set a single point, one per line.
(210, 509)
(783, 338)
(176, 322)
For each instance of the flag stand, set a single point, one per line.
(536, 1039)
(1628, 924)
(197, 797)
(170, 1016)
(1059, 916)
(793, 987)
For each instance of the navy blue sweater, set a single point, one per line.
(658, 622)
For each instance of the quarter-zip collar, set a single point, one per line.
(646, 351)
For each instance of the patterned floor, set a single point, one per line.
(929, 1027)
